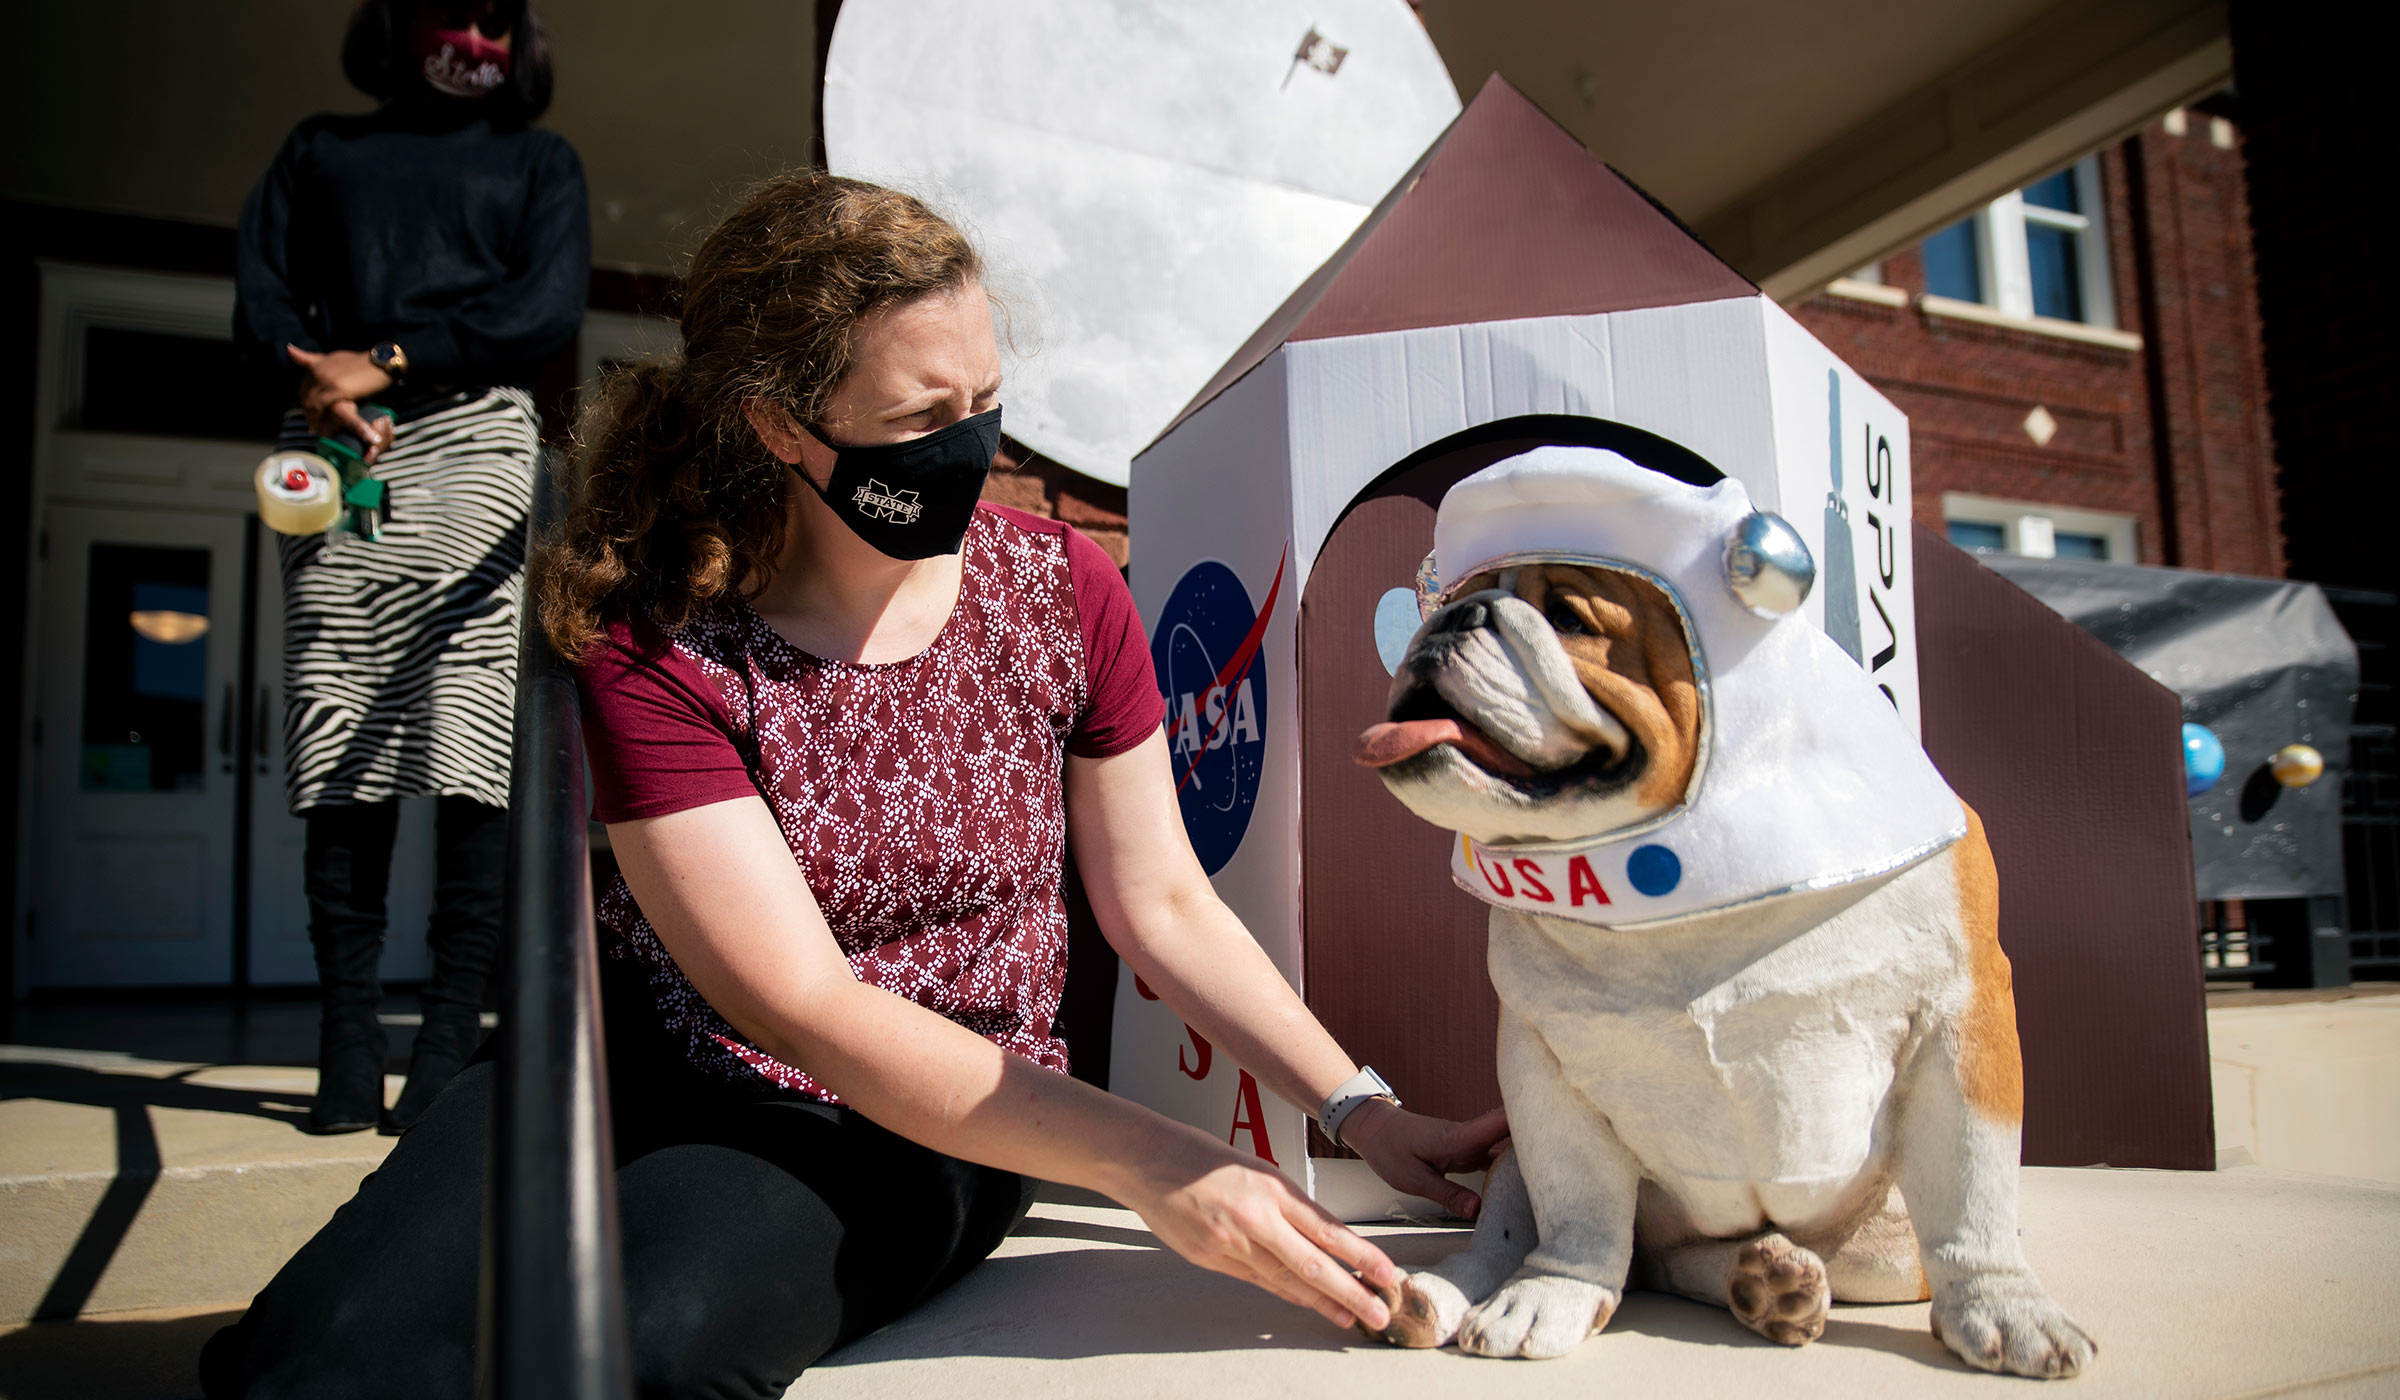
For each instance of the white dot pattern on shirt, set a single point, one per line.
(923, 799)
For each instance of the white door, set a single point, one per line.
(139, 721)
(129, 809)
(279, 948)
(133, 842)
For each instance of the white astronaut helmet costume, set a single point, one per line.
(1805, 777)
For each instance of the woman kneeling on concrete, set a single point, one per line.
(845, 726)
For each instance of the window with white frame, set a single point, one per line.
(1987, 525)
(2040, 251)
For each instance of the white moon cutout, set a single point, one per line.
(1148, 180)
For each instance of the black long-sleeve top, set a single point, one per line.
(467, 243)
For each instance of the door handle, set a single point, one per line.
(225, 731)
(258, 733)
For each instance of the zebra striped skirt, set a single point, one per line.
(400, 655)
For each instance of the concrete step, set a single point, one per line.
(2308, 1080)
(130, 1184)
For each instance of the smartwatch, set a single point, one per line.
(1342, 1102)
(389, 358)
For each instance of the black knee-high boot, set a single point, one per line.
(348, 869)
(470, 856)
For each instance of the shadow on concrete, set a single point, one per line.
(1041, 1227)
(1917, 1344)
(59, 1083)
(271, 1026)
(141, 1357)
(1074, 1304)
(130, 1097)
(1679, 1319)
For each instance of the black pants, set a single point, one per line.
(348, 871)
(758, 1236)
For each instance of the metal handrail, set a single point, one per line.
(552, 1320)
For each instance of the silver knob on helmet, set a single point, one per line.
(1768, 566)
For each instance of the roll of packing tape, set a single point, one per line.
(298, 493)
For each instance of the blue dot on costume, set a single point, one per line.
(1654, 870)
(2203, 759)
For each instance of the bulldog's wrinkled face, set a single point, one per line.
(1545, 703)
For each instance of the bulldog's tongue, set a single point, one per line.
(1390, 743)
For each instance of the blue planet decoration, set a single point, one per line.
(2203, 759)
(1654, 870)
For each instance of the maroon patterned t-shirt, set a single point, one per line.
(922, 798)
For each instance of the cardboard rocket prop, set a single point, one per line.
(1510, 292)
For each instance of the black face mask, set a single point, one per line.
(913, 499)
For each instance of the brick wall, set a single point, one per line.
(1033, 483)
(2174, 434)
(2208, 383)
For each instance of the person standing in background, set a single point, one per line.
(425, 257)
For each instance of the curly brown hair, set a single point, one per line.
(675, 502)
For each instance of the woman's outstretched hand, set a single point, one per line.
(1412, 1152)
(329, 395)
(1227, 1213)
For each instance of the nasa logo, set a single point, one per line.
(1206, 654)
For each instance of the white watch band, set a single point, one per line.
(1342, 1102)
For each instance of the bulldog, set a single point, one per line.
(1758, 1044)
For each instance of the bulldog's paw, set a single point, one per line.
(1426, 1310)
(2005, 1322)
(1779, 1290)
(1537, 1316)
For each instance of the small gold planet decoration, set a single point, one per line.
(2296, 765)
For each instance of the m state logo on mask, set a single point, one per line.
(1205, 651)
(877, 501)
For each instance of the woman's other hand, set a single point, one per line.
(1226, 1213)
(329, 395)
(1413, 1153)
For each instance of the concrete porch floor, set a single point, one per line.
(2268, 1278)
(2243, 1283)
